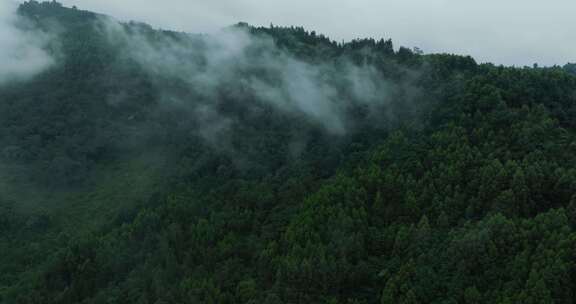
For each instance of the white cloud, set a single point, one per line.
(21, 53)
(234, 62)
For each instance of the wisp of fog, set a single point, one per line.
(243, 64)
(22, 53)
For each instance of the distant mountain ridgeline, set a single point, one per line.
(570, 68)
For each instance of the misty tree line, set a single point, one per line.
(459, 188)
(95, 98)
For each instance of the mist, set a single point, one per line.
(254, 69)
(22, 53)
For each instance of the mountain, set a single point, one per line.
(274, 165)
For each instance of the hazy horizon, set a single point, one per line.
(513, 33)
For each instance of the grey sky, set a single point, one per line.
(512, 32)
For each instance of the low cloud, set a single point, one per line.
(22, 53)
(254, 69)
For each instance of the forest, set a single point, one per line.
(274, 165)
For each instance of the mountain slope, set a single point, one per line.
(272, 165)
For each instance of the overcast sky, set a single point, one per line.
(511, 32)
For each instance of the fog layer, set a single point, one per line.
(234, 63)
(21, 51)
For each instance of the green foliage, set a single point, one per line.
(470, 198)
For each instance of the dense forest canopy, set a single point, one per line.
(274, 165)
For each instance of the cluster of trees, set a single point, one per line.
(470, 198)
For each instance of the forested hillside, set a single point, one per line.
(274, 165)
